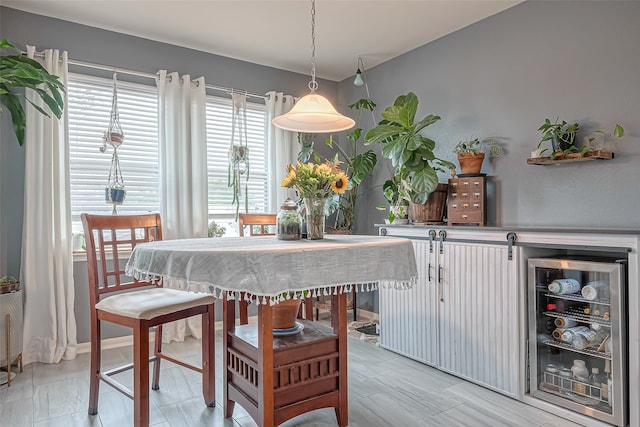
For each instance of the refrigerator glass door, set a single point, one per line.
(577, 336)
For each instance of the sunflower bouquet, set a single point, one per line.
(313, 180)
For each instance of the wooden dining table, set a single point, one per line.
(276, 376)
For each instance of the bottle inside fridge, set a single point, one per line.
(577, 335)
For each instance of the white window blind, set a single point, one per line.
(219, 116)
(89, 109)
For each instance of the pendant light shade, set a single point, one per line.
(358, 81)
(313, 113)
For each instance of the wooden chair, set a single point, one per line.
(139, 305)
(258, 224)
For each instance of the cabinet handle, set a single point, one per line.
(440, 287)
(442, 235)
(432, 236)
(429, 272)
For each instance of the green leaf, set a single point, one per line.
(354, 135)
(306, 149)
(381, 133)
(427, 121)
(18, 117)
(618, 132)
(363, 104)
(393, 114)
(363, 164)
(424, 181)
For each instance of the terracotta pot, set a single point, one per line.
(284, 313)
(470, 163)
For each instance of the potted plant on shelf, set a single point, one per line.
(412, 157)
(561, 134)
(471, 155)
(601, 141)
(18, 71)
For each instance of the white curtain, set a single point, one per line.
(47, 260)
(183, 168)
(282, 147)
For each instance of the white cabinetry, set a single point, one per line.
(462, 316)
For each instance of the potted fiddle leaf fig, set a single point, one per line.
(412, 155)
(18, 71)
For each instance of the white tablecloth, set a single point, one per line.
(265, 267)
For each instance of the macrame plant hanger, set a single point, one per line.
(238, 151)
(114, 192)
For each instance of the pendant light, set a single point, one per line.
(313, 113)
(359, 81)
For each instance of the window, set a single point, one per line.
(219, 115)
(89, 110)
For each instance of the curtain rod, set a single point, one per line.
(144, 74)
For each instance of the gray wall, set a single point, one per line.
(502, 77)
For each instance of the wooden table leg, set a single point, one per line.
(339, 324)
(265, 366)
(228, 324)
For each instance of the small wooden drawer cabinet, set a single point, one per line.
(466, 201)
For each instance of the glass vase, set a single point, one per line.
(315, 217)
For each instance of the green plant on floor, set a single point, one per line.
(410, 152)
(18, 71)
(358, 164)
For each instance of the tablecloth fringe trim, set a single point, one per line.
(257, 298)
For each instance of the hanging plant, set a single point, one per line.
(238, 151)
(114, 192)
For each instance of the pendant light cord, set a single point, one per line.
(313, 85)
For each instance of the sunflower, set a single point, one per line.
(286, 182)
(341, 185)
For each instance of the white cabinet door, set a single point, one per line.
(408, 318)
(478, 314)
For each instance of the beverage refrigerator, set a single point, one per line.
(577, 335)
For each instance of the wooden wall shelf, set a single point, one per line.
(571, 158)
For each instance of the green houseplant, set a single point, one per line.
(602, 141)
(410, 152)
(358, 163)
(18, 71)
(560, 133)
(394, 191)
(471, 153)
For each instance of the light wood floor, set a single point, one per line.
(385, 389)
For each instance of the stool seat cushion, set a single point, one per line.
(147, 304)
